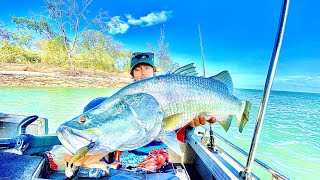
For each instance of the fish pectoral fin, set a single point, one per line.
(225, 123)
(137, 103)
(172, 122)
(170, 139)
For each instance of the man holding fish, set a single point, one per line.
(151, 108)
(141, 67)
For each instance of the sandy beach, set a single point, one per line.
(12, 74)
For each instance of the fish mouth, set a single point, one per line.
(73, 139)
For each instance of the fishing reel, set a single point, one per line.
(207, 138)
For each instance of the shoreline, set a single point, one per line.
(37, 75)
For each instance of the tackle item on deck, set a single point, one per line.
(155, 159)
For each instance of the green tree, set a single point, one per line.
(53, 51)
(100, 51)
(72, 20)
(22, 38)
(14, 46)
(11, 53)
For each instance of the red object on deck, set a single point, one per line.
(53, 165)
(155, 159)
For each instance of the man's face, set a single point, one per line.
(142, 71)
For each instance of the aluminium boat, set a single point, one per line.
(24, 141)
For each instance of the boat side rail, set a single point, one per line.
(275, 174)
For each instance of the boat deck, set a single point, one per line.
(15, 166)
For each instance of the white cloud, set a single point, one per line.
(117, 26)
(150, 19)
(133, 21)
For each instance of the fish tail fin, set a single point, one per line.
(244, 115)
(226, 123)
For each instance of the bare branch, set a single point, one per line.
(163, 60)
(4, 33)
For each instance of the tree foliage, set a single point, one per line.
(14, 46)
(17, 54)
(52, 51)
(39, 26)
(100, 51)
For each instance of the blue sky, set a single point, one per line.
(237, 35)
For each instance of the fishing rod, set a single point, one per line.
(267, 88)
(212, 143)
(202, 55)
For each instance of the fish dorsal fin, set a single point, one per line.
(187, 70)
(225, 78)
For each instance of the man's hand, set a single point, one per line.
(200, 120)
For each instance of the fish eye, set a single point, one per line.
(83, 119)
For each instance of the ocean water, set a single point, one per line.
(289, 141)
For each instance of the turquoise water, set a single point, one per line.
(55, 104)
(289, 141)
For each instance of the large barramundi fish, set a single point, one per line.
(154, 108)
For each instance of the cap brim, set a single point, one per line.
(142, 61)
